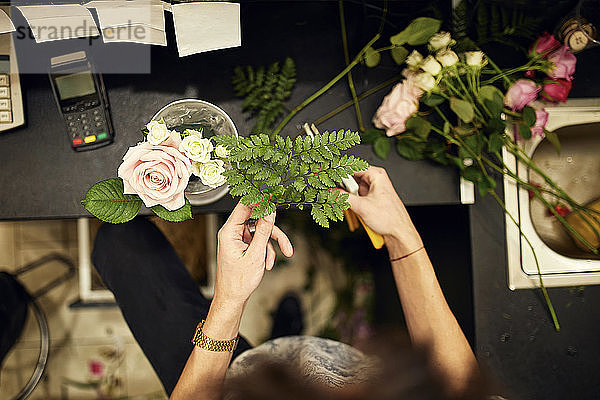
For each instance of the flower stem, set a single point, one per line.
(537, 264)
(347, 60)
(493, 64)
(360, 97)
(327, 86)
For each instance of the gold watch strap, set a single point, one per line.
(206, 343)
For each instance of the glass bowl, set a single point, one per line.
(198, 114)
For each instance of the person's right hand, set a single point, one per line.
(382, 210)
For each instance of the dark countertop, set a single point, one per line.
(42, 178)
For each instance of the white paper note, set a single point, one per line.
(138, 22)
(56, 22)
(6, 24)
(206, 26)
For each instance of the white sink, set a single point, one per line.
(577, 170)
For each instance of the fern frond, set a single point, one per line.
(303, 173)
(264, 91)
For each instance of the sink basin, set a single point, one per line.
(577, 170)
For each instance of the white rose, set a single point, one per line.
(474, 58)
(210, 173)
(193, 132)
(425, 81)
(157, 132)
(221, 151)
(196, 148)
(447, 57)
(431, 65)
(414, 59)
(440, 40)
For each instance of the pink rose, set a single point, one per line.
(520, 94)
(541, 118)
(158, 174)
(544, 44)
(556, 91)
(398, 106)
(563, 64)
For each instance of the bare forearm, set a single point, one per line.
(204, 372)
(429, 319)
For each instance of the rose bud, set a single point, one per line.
(563, 64)
(544, 44)
(520, 94)
(557, 90)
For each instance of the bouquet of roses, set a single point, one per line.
(156, 173)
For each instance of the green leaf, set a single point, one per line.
(181, 214)
(524, 131)
(529, 116)
(462, 108)
(493, 99)
(370, 135)
(553, 139)
(418, 32)
(399, 54)
(372, 57)
(496, 125)
(410, 149)
(485, 185)
(106, 201)
(472, 174)
(382, 147)
(431, 99)
(420, 126)
(495, 143)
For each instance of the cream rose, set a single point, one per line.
(425, 81)
(398, 105)
(430, 65)
(474, 58)
(157, 132)
(210, 173)
(414, 60)
(447, 57)
(158, 174)
(440, 40)
(221, 151)
(194, 132)
(196, 148)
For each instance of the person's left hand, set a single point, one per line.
(243, 258)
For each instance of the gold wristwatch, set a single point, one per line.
(206, 343)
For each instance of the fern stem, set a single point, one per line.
(327, 86)
(359, 120)
(360, 97)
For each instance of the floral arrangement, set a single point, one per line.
(156, 172)
(265, 172)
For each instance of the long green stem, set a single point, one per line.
(360, 97)
(501, 203)
(327, 86)
(361, 127)
(493, 64)
(537, 264)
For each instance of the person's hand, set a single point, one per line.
(243, 258)
(382, 210)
